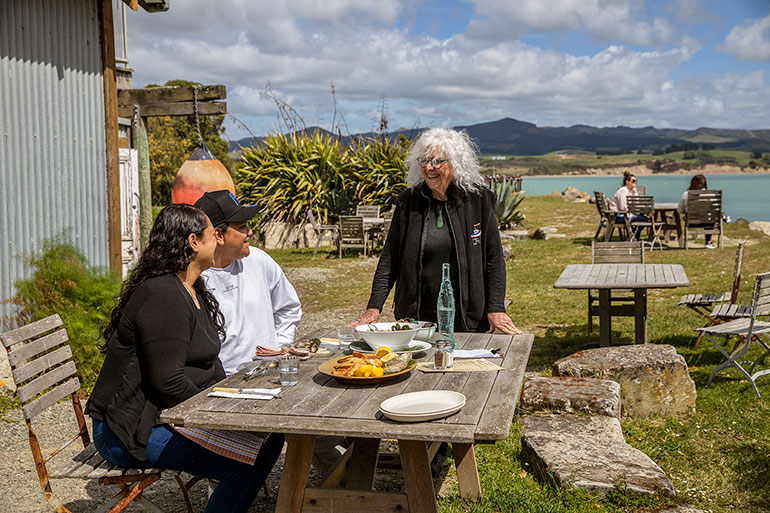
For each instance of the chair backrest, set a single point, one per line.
(704, 206)
(642, 205)
(760, 305)
(641, 190)
(617, 252)
(352, 229)
(44, 373)
(737, 271)
(602, 203)
(368, 210)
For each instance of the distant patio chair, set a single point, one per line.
(702, 304)
(368, 210)
(644, 206)
(321, 230)
(703, 215)
(621, 301)
(352, 233)
(606, 218)
(747, 329)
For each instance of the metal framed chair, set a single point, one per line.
(321, 230)
(352, 233)
(702, 304)
(703, 215)
(621, 301)
(644, 206)
(42, 367)
(747, 329)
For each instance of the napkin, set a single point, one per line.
(246, 393)
(474, 353)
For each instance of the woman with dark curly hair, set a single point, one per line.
(161, 347)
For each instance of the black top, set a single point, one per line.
(163, 352)
(438, 248)
(480, 285)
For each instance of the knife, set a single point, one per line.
(245, 391)
(495, 351)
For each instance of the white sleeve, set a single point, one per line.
(682, 208)
(287, 310)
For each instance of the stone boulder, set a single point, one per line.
(567, 395)
(653, 378)
(588, 452)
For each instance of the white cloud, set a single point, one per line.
(602, 19)
(750, 42)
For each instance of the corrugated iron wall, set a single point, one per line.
(52, 162)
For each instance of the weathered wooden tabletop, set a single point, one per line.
(622, 276)
(320, 405)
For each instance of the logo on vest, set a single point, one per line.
(476, 234)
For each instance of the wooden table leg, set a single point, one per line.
(363, 464)
(605, 319)
(296, 467)
(640, 316)
(419, 484)
(467, 472)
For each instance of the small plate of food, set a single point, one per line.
(364, 369)
(303, 350)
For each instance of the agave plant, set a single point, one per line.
(508, 209)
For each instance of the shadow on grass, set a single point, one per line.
(752, 466)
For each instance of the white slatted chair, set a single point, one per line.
(321, 230)
(352, 233)
(368, 210)
(43, 370)
(748, 329)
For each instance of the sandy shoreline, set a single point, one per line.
(642, 170)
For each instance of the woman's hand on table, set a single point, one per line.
(501, 321)
(371, 315)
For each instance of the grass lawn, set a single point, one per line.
(718, 458)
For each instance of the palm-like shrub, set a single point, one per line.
(379, 170)
(508, 209)
(287, 175)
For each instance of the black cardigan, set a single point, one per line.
(163, 352)
(479, 256)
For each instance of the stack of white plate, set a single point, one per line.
(422, 406)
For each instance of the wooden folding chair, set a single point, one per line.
(42, 367)
(702, 304)
(621, 301)
(747, 329)
(703, 215)
(321, 230)
(644, 206)
(368, 210)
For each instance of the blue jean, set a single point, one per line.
(239, 483)
(621, 219)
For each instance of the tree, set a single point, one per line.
(172, 139)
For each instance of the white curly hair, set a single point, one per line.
(454, 145)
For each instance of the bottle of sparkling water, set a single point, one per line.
(445, 307)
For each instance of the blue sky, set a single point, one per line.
(679, 63)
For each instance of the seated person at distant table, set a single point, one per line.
(259, 304)
(620, 202)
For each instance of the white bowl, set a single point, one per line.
(394, 340)
(425, 333)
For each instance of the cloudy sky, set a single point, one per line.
(672, 63)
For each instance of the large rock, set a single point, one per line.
(653, 378)
(566, 394)
(588, 452)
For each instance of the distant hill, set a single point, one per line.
(509, 136)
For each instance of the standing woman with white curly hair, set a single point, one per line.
(445, 216)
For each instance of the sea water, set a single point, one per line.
(743, 195)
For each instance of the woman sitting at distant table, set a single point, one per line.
(162, 343)
(620, 202)
(446, 215)
(697, 182)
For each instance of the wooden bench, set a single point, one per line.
(42, 367)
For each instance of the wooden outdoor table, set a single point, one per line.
(638, 277)
(320, 405)
(664, 211)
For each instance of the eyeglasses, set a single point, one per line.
(435, 162)
(633, 181)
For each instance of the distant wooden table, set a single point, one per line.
(638, 277)
(319, 405)
(666, 213)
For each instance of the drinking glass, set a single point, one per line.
(288, 370)
(346, 336)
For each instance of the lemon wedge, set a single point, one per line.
(382, 351)
(388, 357)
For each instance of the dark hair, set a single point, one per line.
(627, 176)
(697, 182)
(167, 252)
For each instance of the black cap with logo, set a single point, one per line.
(223, 207)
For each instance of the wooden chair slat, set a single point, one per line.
(45, 381)
(50, 398)
(34, 348)
(76, 462)
(30, 330)
(23, 373)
